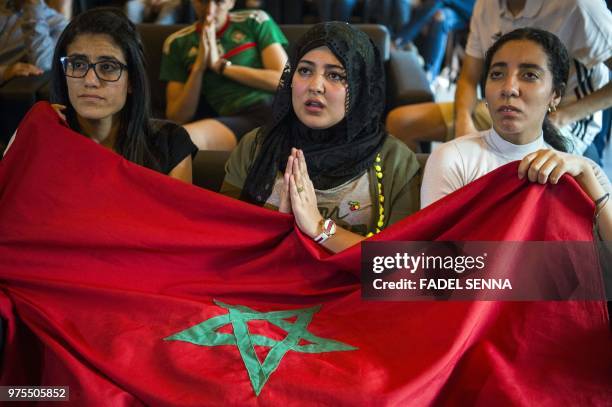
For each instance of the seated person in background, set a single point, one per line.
(441, 18)
(585, 27)
(64, 7)
(325, 155)
(394, 14)
(157, 11)
(525, 75)
(231, 59)
(100, 83)
(29, 30)
(339, 10)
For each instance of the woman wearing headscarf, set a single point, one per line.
(324, 155)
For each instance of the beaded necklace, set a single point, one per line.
(381, 198)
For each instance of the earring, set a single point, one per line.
(552, 108)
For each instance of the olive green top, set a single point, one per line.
(400, 181)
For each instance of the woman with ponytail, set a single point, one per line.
(525, 73)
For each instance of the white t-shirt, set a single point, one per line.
(458, 162)
(583, 26)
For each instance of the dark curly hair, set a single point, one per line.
(558, 64)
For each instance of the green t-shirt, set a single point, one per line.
(246, 34)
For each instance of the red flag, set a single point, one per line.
(133, 288)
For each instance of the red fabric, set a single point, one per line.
(101, 259)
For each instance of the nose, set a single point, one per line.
(510, 87)
(316, 84)
(91, 79)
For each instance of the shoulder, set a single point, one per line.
(590, 6)
(257, 16)
(458, 156)
(245, 151)
(597, 14)
(567, 11)
(240, 160)
(170, 138)
(179, 37)
(392, 147)
(165, 128)
(249, 139)
(463, 146)
(484, 9)
(397, 157)
(170, 143)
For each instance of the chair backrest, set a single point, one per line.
(154, 35)
(378, 33)
(209, 169)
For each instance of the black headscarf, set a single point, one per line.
(343, 151)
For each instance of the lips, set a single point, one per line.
(314, 105)
(91, 98)
(509, 109)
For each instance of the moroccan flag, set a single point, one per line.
(133, 288)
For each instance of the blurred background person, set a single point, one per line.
(438, 18)
(337, 10)
(154, 11)
(230, 61)
(29, 30)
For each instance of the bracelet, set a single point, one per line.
(601, 201)
(328, 229)
(224, 64)
(605, 197)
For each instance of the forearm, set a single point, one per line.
(37, 35)
(465, 101)
(181, 109)
(264, 79)
(342, 240)
(601, 99)
(589, 184)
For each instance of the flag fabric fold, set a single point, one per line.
(133, 288)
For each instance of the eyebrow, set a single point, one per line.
(100, 58)
(327, 66)
(523, 66)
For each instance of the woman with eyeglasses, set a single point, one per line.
(100, 85)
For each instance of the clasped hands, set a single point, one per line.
(208, 51)
(298, 195)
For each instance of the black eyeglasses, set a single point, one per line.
(77, 67)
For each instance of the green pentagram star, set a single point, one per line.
(205, 334)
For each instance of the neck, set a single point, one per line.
(103, 131)
(516, 6)
(520, 138)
